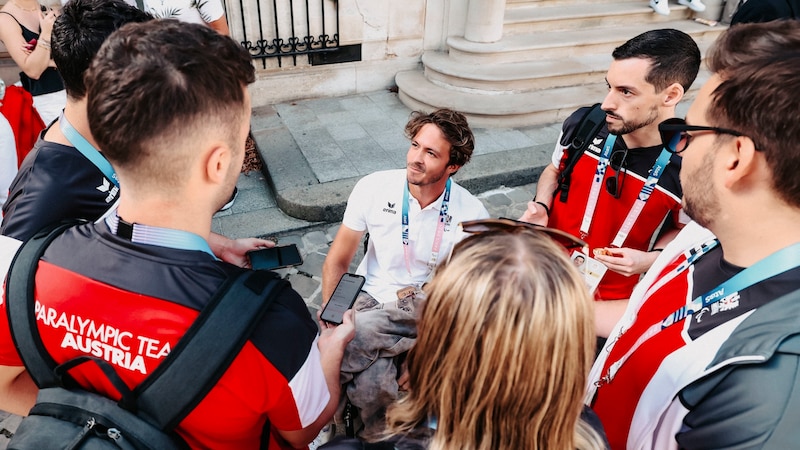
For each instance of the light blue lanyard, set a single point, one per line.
(162, 237)
(87, 149)
(437, 240)
(647, 189)
(775, 264)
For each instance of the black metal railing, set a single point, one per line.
(286, 28)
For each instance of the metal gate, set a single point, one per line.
(283, 29)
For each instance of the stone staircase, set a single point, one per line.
(551, 59)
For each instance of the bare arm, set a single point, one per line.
(548, 181)
(332, 342)
(340, 255)
(33, 63)
(607, 314)
(220, 26)
(234, 251)
(17, 390)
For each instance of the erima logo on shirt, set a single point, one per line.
(105, 186)
(595, 145)
(390, 208)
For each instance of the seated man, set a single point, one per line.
(66, 175)
(412, 218)
(176, 137)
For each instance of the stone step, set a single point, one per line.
(506, 109)
(521, 76)
(514, 77)
(577, 16)
(560, 44)
(511, 4)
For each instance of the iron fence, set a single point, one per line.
(279, 29)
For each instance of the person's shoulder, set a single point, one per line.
(467, 199)
(370, 183)
(383, 176)
(52, 157)
(571, 123)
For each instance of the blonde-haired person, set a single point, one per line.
(505, 341)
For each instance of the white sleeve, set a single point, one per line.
(558, 152)
(309, 388)
(210, 10)
(355, 216)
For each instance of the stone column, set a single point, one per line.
(485, 20)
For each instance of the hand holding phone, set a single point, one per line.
(343, 298)
(275, 257)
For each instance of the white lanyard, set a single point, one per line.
(779, 262)
(594, 192)
(437, 240)
(644, 194)
(641, 200)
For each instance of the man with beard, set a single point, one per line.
(412, 218)
(707, 354)
(624, 197)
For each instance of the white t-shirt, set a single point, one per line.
(376, 206)
(192, 11)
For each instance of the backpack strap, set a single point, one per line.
(210, 345)
(591, 123)
(191, 369)
(20, 306)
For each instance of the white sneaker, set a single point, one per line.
(694, 5)
(661, 7)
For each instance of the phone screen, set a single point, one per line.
(275, 257)
(343, 298)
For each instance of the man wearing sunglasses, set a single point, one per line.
(707, 354)
(624, 196)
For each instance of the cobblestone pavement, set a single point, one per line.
(314, 244)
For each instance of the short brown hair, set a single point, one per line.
(454, 127)
(162, 82)
(759, 65)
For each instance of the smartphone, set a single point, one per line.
(275, 257)
(343, 298)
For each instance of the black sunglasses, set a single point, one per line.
(614, 183)
(675, 136)
(510, 225)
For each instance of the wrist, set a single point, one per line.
(546, 208)
(44, 43)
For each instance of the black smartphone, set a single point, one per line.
(275, 257)
(343, 298)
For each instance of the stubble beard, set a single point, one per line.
(630, 127)
(700, 202)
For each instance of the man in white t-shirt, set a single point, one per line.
(208, 12)
(412, 218)
(423, 196)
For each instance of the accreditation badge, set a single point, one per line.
(591, 269)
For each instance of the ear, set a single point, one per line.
(672, 94)
(740, 160)
(453, 168)
(216, 162)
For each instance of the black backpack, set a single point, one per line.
(66, 416)
(587, 129)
